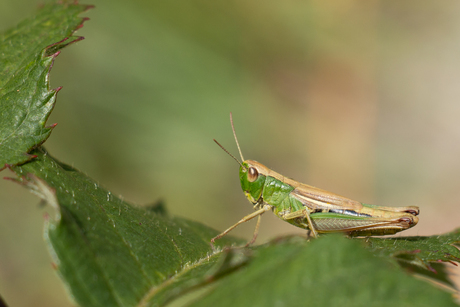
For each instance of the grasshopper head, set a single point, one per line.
(252, 177)
(252, 173)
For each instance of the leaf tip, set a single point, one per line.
(10, 179)
(50, 127)
(84, 19)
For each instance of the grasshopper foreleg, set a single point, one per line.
(248, 217)
(256, 232)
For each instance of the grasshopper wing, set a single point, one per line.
(318, 199)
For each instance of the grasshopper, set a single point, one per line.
(311, 208)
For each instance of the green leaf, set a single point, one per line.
(419, 250)
(111, 253)
(329, 271)
(27, 53)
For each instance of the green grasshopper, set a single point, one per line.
(311, 208)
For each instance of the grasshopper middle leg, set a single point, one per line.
(305, 214)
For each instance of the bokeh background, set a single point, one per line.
(357, 97)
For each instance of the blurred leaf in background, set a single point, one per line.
(356, 97)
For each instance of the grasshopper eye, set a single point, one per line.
(252, 174)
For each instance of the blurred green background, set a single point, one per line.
(356, 97)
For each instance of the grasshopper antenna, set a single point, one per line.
(236, 139)
(229, 154)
